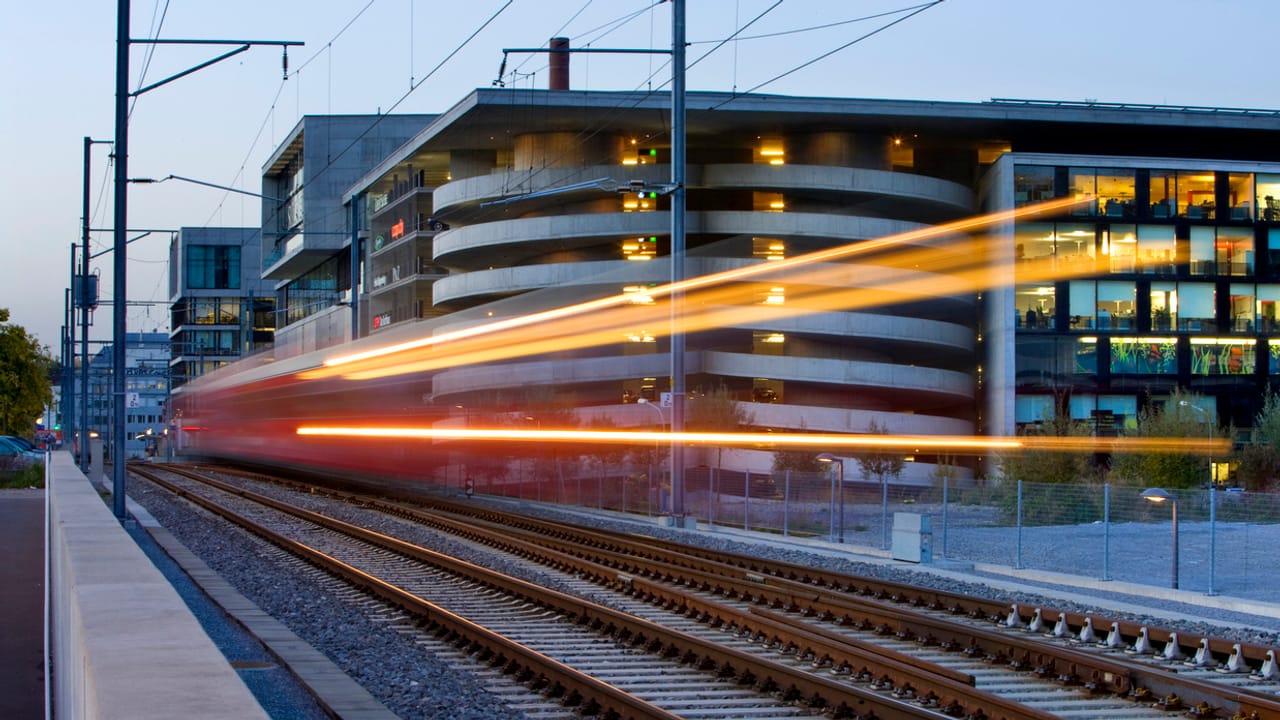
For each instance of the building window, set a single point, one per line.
(1240, 195)
(213, 267)
(1144, 355)
(1222, 356)
(1195, 308)
(1157, 249)
(1164, 306)
(1120, 245)
(1034, 306)
(1032, 183)
(1268, 197)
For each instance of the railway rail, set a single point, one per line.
(898, 650)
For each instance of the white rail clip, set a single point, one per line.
(1202, 657)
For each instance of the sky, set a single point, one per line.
(220, 124)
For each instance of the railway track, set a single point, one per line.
(946, 654)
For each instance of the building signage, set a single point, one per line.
(382, 320)
(397, 230)
(380, 280)
(378, 241)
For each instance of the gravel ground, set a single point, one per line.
(414, 684)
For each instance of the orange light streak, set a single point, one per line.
(860, 247)
(855, 443)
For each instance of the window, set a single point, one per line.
(1203, 258)
(1116, 305)
(1268, 299)
(1144, 355)
(1120, 244)
(1195, 307)
(1032, 183)
(1034, 306)
(1268, 198)
(1234, 251)
(1164, 306)
(1240, 195)
(1242, 306)
(213, 267)
(1083, 304)
(1157, 249)
(1222, 356)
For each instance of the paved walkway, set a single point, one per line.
(22, 601)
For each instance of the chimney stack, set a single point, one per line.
(559, 63)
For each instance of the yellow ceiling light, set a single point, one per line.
(774, 338)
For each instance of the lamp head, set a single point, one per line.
(1156, 495)
(826, 458)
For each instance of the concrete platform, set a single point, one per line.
(124, 643)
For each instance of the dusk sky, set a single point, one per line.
(220, 124)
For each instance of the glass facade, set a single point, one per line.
(1164, 278)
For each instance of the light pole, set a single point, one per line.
(662, 422)
(829, 458)
(1208, 421)
(1159, 496)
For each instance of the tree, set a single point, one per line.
(1259, 469)
(1182, 416)
(24, 379)
(716, 411)
(1056, 467)
(879, 465)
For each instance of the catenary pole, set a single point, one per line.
(121, 223)
(677, 257)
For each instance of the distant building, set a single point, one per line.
(1176, 261)
(146, 392)
(306, 233)
(220, 308)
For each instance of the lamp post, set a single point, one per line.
(1159, 496)
(839, 473)
(662, 422)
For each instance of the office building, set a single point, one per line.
(1167, 276)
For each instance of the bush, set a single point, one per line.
(31, 476)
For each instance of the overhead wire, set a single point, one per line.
(829, 53)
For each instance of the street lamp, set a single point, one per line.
(662, 422)
(829, 458)
(1208, 421)
(1159, 496)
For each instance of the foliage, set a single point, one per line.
(24, 379)
(880, 465)
(31, 476)
(1042, 466)
(716, 411)
(1259, 467)
(797, 461)
(1180, 417)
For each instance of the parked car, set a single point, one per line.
(21, 442)
(14, 456)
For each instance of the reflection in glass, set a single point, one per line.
(1164, 306)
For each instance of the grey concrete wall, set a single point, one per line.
(124, 643)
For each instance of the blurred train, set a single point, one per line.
(250, 411)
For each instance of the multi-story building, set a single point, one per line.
(220, 308)
(146, 392)
(306, 233)
(507, 203)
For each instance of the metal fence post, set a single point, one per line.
(1018, 561)
(1106, 531)
(746, 502)
(944, 517)
(786, 504)
(831, 509)
(884, 512)
(1213, 536)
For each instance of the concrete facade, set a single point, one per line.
(508, 203)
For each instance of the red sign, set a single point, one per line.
(397, 230)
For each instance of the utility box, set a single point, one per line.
(912, 538)
(96, 470)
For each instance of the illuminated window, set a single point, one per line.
(772, 152)
(1222, 356)
(768, 202)
(640, 249)
(768, 248)
(639, 294)
(1144, 355)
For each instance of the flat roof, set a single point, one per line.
(488, 117)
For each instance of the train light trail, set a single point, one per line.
(959, 227)
(851, 443)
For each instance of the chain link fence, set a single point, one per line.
(1106, 532)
